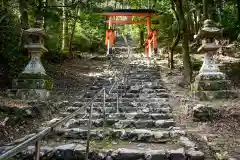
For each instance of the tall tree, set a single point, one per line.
(76, 12)
(45, 15)
(219, 10)
(213, 11)
(238, 9)
(65, 38)
(205, 9)
(187, 69)
(177, 39)
(23, 8)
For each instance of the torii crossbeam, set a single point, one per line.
(129, 13)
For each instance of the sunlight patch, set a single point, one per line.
(93, 74)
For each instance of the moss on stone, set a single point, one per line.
(34, 76)
(213, 95)
(208, 85)
(65, 51)
(107, 143)
(28, 80)
(213, 77)
(48, 85)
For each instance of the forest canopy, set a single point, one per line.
(77, 25)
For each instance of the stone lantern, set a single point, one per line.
(210, 83)
(33, 82)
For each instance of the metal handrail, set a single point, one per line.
(125, 66)
(12, 152)
(36, 138)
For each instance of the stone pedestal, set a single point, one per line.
(210, 83)
(209, 86)
(33, 82)
(32, 86)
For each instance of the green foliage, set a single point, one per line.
(11, 50)
(53, 28)
(89, 31)
(229, 20)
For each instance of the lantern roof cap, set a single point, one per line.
(36, 31)
(209, 30)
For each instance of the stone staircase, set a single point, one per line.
(139, 125)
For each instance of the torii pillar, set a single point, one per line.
(129, 13)
(109, 36)
(149, 51)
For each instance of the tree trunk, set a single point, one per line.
(192, 27)
(185, 46)
(154, 4)
(45, 15)
(72, 33)
(219, 10)
(199, 18)
(205, 9)
(195, 22)
(176, 40)
(23, 8)
(65, 39)
(238, 9)
(115, 5)
(190, 24)
(213, 11)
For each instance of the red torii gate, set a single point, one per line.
(129, 13)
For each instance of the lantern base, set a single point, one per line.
(214, 95)
(203, 76)
(29, 94)
(31, 86)
(212, 85)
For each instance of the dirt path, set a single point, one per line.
(70, 80)
(219, 136)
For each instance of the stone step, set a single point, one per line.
(144, 94)
(150, 84)
(139, 115)
(141, 126)
(146, 75)
(124, 87)
(144, 71)
(134, 81)
(122, 116)
(138, 90)
(116, 150)
(119, 91)
(94, 87)
(133, 135)
(126, 109)
(163, 98)
(163, 103)
(121, 124)
(142, 77)
(137, 68)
